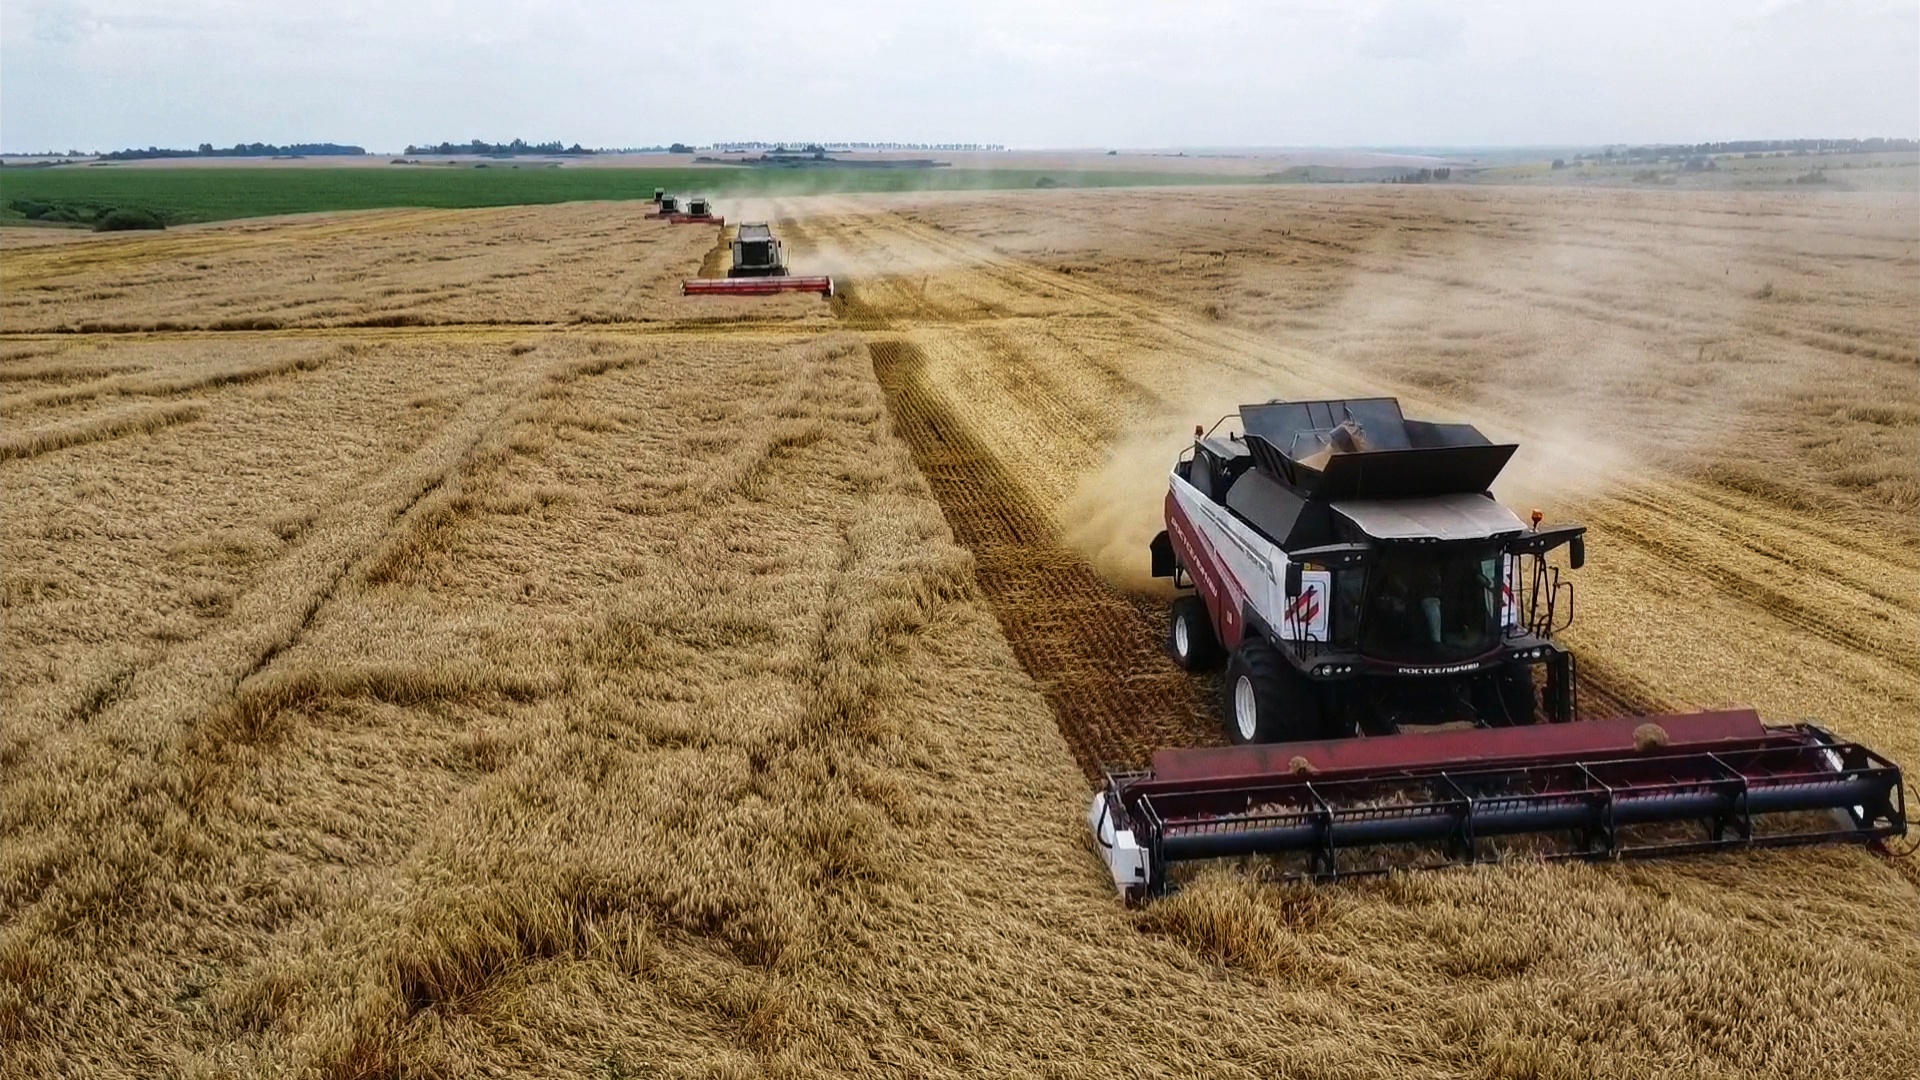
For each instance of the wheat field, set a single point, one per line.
(435, 648)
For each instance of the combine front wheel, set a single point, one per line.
(1190, 635)
(1266, 700)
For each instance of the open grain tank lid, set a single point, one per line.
(1365, 448)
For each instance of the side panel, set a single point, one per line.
(1509, 602)
(1305, 618)
(1223, 595)
(1247, 570)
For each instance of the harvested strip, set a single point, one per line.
(153, 385)
(97, 429)
(1115, 694)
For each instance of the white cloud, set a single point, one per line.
(109, 73)
(1412, 30)
(59, 24)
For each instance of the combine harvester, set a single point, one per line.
(697, 213)
(1355, 576)
(759, 269)
(665, 206)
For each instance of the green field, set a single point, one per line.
(183, 195)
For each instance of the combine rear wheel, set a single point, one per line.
(1266, 699)
(1190, 635)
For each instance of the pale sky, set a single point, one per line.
(105, 74)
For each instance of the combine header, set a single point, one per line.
(1357, 579)
(759, 269)
(697, 213)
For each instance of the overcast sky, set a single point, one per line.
(1027, 73)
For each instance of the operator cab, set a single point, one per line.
(1429, 590)
(756, 253)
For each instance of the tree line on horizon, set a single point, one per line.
(555, 147)
(1760, 146)
(239, 150)
(506, 149)
(327, 149)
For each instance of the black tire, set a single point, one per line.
(1190, 636)
(1266, 700)
(1508, 697)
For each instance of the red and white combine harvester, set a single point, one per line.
(759, 269)
(1350, 569)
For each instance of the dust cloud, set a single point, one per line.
(851, 247)
(1538, 336)
(1117, 510)
(1112, 515)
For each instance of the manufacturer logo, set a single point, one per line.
(1444, 669)
(1305, 607)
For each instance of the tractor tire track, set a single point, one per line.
(1805, 608)
(1095, 652)
(182, 684)
(1115, 694)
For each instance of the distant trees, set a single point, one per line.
(240, 150)
(507, 149)
(125, 220)
(1751, 148)
(102, 217)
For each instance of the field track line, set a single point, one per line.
(772, 328)
(183, 682)
(49, 262)
(1116, 695)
